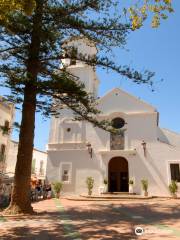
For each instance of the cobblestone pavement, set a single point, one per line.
(82, 220)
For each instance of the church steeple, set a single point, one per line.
(81, 47)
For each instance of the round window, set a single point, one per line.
(118, 123)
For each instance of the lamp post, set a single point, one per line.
(90, 150)
(144, 147)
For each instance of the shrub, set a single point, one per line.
(173, 187)
(105, 181)
(90, 185)
(144, 183)
(57, 187)
(131, 181)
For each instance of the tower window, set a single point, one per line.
(5, 129)
(6, 124)
(73, 56)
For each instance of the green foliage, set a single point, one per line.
(61, 20)
(159, 9)
(173, 187)
(6, 6)
(57, 187)
(32, 51)
(105, 181)
(144, 183)
(131, 181)
(90, 185)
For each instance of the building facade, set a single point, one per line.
(141, 150)
(6, 121)
(39, 161)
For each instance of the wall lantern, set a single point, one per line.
(90, 150)
(144, 147)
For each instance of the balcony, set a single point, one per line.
(114, 153)
(66, 146)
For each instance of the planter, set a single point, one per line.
(57, 187)
(173, 188)
(90, 192)
(131, 189)
(105, 189)
(174, 195)
(145, 193)
(144, 184)
(58, 195)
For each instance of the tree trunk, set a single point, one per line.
(21, 201)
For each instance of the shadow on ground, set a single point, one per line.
(118, 221)
(43, 226)
(93, 221)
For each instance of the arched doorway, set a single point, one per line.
(118, 175)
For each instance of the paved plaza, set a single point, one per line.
(89, 220)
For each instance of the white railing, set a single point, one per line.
(66, 146)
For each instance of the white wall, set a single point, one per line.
(154, 167)
(82, 167)
(168, 136)
(37, 155)
(6, 114)
(84, 72)
(12, 157)
(157, 163)
(141, 125)
(119, 101)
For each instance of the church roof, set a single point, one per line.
(126, 100)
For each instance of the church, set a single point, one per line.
(143, 150)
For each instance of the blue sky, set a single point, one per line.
(155, 49)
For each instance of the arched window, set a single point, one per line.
(118, 123)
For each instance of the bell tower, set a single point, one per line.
(79, 46)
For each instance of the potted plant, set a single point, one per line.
(173, 188)
(90, 185)
(131, 184)
(105, 185)
(57, 187)
(144, 183)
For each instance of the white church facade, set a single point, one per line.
(77, 150)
